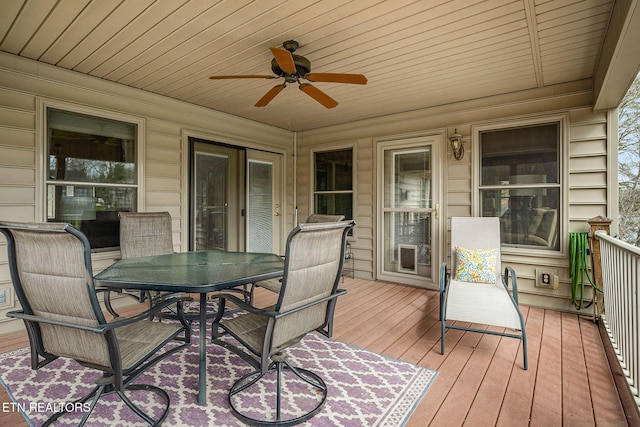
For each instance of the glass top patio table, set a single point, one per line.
(193, 272)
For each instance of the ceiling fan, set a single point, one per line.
(293, 68)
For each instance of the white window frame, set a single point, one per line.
(312, 175)
(563, 174)
(42, 149)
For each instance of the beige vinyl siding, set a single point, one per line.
(163, 176)
(304, 183)
(165, 180)
(457, 182)
(363, 246)
(586, 197)
(588, 161)
(17, 156)
(17, 175)
(23, 83)
(585, 176)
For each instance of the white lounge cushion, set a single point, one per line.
(483, 303)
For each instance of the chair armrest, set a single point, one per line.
(100, 329)
(510, 272)
(339, 292)
(158, 305)
(244, 305)
(270, 313)
(444, 280)
(444, 275)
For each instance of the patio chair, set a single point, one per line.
(273, 285)
(50, 267)
(145, 234)
(474, 290)
(142, 234)
(316, 218)
(313, 265)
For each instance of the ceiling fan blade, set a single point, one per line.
(246, 76)
(270, 95)
(284, 60)
(357, 79)
(318, 95)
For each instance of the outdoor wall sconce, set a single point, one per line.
(456, 145)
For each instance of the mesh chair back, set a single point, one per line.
(313, 265)
(316, 218)
(475, 233)
(51, 272)
(145, 234)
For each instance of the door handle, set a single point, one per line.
(437, 211)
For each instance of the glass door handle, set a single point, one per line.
(437, 211)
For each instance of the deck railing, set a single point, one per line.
(621, 318)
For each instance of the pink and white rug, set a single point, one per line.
(364, 388)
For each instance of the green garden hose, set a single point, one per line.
(578, 252)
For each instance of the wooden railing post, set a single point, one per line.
(598, 223)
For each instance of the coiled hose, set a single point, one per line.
(578, 252)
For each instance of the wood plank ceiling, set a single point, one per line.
(415, 54)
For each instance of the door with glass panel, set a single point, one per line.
(217, 197)
(408, 211)
(264, 213)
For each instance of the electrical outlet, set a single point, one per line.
(546, 278)
(3, 297)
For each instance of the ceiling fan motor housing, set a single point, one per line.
(303, 67)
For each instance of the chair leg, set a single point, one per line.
(95, 393)
(279, 365)
(524, 350)
(163, 394)
(107, 388)
(107, 303)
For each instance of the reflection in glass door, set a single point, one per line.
(211, 201)
(409, 212)
(215, 205)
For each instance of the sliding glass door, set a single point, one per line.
(236, 199)
(264, 202)
(217, 197)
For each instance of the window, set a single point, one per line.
(91, 173)
(520, 183)
(333, 192)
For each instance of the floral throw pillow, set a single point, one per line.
(476, 265)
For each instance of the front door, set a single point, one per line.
(408, 211)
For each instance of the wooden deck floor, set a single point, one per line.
(480, 378)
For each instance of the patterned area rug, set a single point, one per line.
(364, 388)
